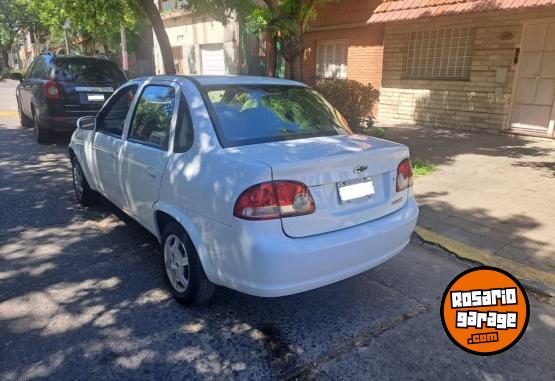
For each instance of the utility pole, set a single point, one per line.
(124, 58)
(65, 27)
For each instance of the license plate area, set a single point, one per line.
(96, 97)
(355, 190)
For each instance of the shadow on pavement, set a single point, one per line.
(82, 297)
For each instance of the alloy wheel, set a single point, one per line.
(176, 262)
(78, 181)
(36, 124)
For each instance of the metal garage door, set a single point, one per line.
(212, 57)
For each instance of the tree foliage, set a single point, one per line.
(287, 20)
(15, 16)
(90, 20)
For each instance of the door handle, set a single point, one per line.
(151, 173)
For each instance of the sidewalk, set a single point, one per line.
(492, 193)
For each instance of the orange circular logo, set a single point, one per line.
(485, 311)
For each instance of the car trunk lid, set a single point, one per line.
(351, 178)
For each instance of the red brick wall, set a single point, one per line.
(345, 20)
(345, 12)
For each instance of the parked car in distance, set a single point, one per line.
(57, 90)
(256, 184)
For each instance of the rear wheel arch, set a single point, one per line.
(24, 120)
(72, 155)
(164, 215)
(162, 220)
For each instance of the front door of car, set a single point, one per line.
(147, 149)
(107, 146)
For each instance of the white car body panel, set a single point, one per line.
(199, 187)
(322, 163)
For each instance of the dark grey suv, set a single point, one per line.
(57, 90)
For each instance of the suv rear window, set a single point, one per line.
(86, 70)
(252, 114)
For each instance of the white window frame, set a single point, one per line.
(329, 69)
(440, 54)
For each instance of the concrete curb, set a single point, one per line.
(539, 282)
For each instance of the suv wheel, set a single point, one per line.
(41, 134)
(182, 268)
(85, 195)
(24, 120)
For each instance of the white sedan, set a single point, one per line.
(256, 184)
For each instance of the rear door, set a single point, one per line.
(26, 87)
(108, 142)
(147, 148)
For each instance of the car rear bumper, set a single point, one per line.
(277, 265)
(61, 123)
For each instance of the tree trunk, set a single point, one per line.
(5, 60)
(271, 54)
(293, 63)
(297, 67)
(153, 15)
(293, 50)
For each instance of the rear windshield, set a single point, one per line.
(83, 70)
(261, 113)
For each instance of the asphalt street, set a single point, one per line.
(82, 298)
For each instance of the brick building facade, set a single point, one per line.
(341, 35)
(470, 65)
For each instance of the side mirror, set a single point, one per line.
(16, 77)
(86, 122)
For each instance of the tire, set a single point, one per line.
(24, 120)
(83, 192)
(177, 249)
(42, 136)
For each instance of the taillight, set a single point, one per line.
(404, 175)
(51, 90)
(277, 199)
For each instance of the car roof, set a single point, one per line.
(65, 57)
(222, 80)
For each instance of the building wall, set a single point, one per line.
(481, 103)
(189, 33)
(346, 20)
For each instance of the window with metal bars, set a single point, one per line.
(440, 54)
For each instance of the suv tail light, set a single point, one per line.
(404, 175)
(51, 90)
(274, 199)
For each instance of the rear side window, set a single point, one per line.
(153, 114)
(267, 113)
(87, 70)
(39, 69)
(113, 118)
(31, 69)
(184, 133)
